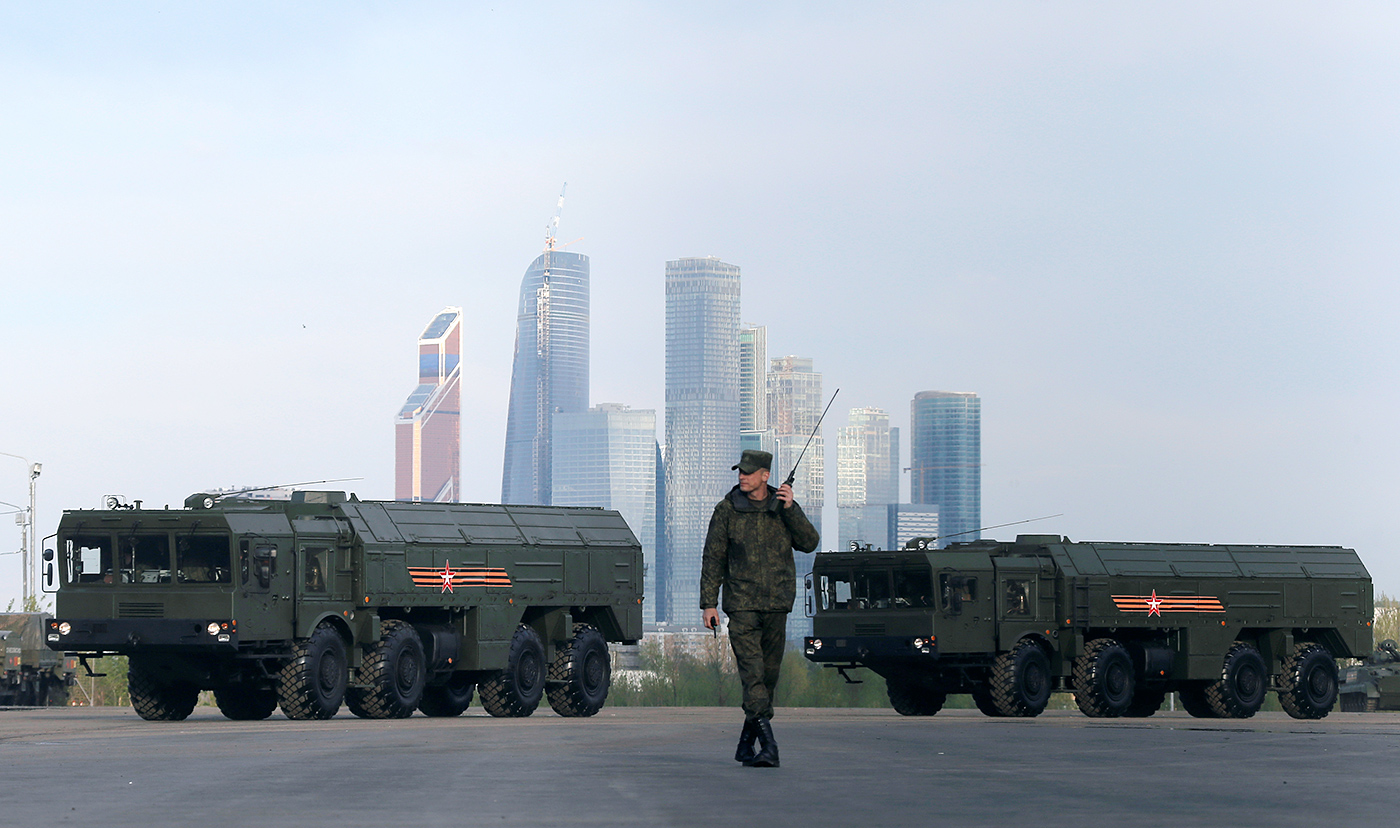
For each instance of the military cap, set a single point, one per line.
(753, 460)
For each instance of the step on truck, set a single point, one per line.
(1120, 625)
(322, 600)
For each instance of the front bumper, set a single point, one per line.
(860, 648)
(124, 635)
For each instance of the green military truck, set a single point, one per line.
(1118, 624)
(1374, 684)
(32, 675)
(389, 607)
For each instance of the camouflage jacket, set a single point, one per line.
(748, 551)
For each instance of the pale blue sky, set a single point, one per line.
(1159, 239)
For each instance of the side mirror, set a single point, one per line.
(48, 581)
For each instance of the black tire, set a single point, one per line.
(1020, 680)
(1103, 679)
(982, 697)
(1192, 695)
(245, 702)
(1353, 702)
(392, 675)
(449, 699)
(312, 683)
(516, 690)
(1146, 701)
(156, 701)
(1308, 682)
(581, 674)
(908, 698)
(1243, 683)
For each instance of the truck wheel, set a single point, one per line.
(157, 702)
(245, 702)
(1103, 679)
(1244, 680)
(393, 673)
(516, 690)
(312, 683)
(1193, 700)
(1308, 682)
(1146, 701)
(1020, 680)
(909, 699)
(982, 697)
(581, 674)
(448, 699)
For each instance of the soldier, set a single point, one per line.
(748, 551)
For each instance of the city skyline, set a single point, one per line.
(1147, 235)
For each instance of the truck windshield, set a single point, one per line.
(867, 589)
(145, 558)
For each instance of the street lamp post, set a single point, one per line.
(27, 537)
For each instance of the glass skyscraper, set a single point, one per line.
(428, 428)
(702, 418)
(946, 461)
(550, 374)
(606, 457)
(867, 477)
(794, 406)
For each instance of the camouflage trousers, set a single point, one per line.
(759, 640)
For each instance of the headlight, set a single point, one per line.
(918, 643)
(816, 643)
(64, 628)
(213, 628)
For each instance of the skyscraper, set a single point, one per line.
(606, 457)
(428, 429)
(753, 378)
(794, 406)
(550, 373)
(867, 477)
(702, 417)
(946, 460)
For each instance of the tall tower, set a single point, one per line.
(794, 408)
(753, 378)
(946, 460)
(606, 457)
(550, 373)
(867, 477)
(428, 429)
(702, 417)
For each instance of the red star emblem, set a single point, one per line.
(1154, 605)
(447, 577)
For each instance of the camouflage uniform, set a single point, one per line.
(748, 551)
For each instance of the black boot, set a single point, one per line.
(767, 756)
(744, 752)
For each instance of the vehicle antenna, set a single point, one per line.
(792, 474)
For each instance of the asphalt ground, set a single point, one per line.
(674, 766)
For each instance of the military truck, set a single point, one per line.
(1118, 624)
(32, 674)
(1374, 684)
(389, 607)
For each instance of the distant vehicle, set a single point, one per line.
(1374, 684)
(32, 674)
(389, 607)
(1118, 624)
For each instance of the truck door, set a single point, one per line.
(322, 581)
(262, 580)
(963, 584)
(1024, 599)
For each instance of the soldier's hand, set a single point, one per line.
(785, 495)
(711, 618)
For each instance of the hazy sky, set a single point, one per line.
(1158, 239)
